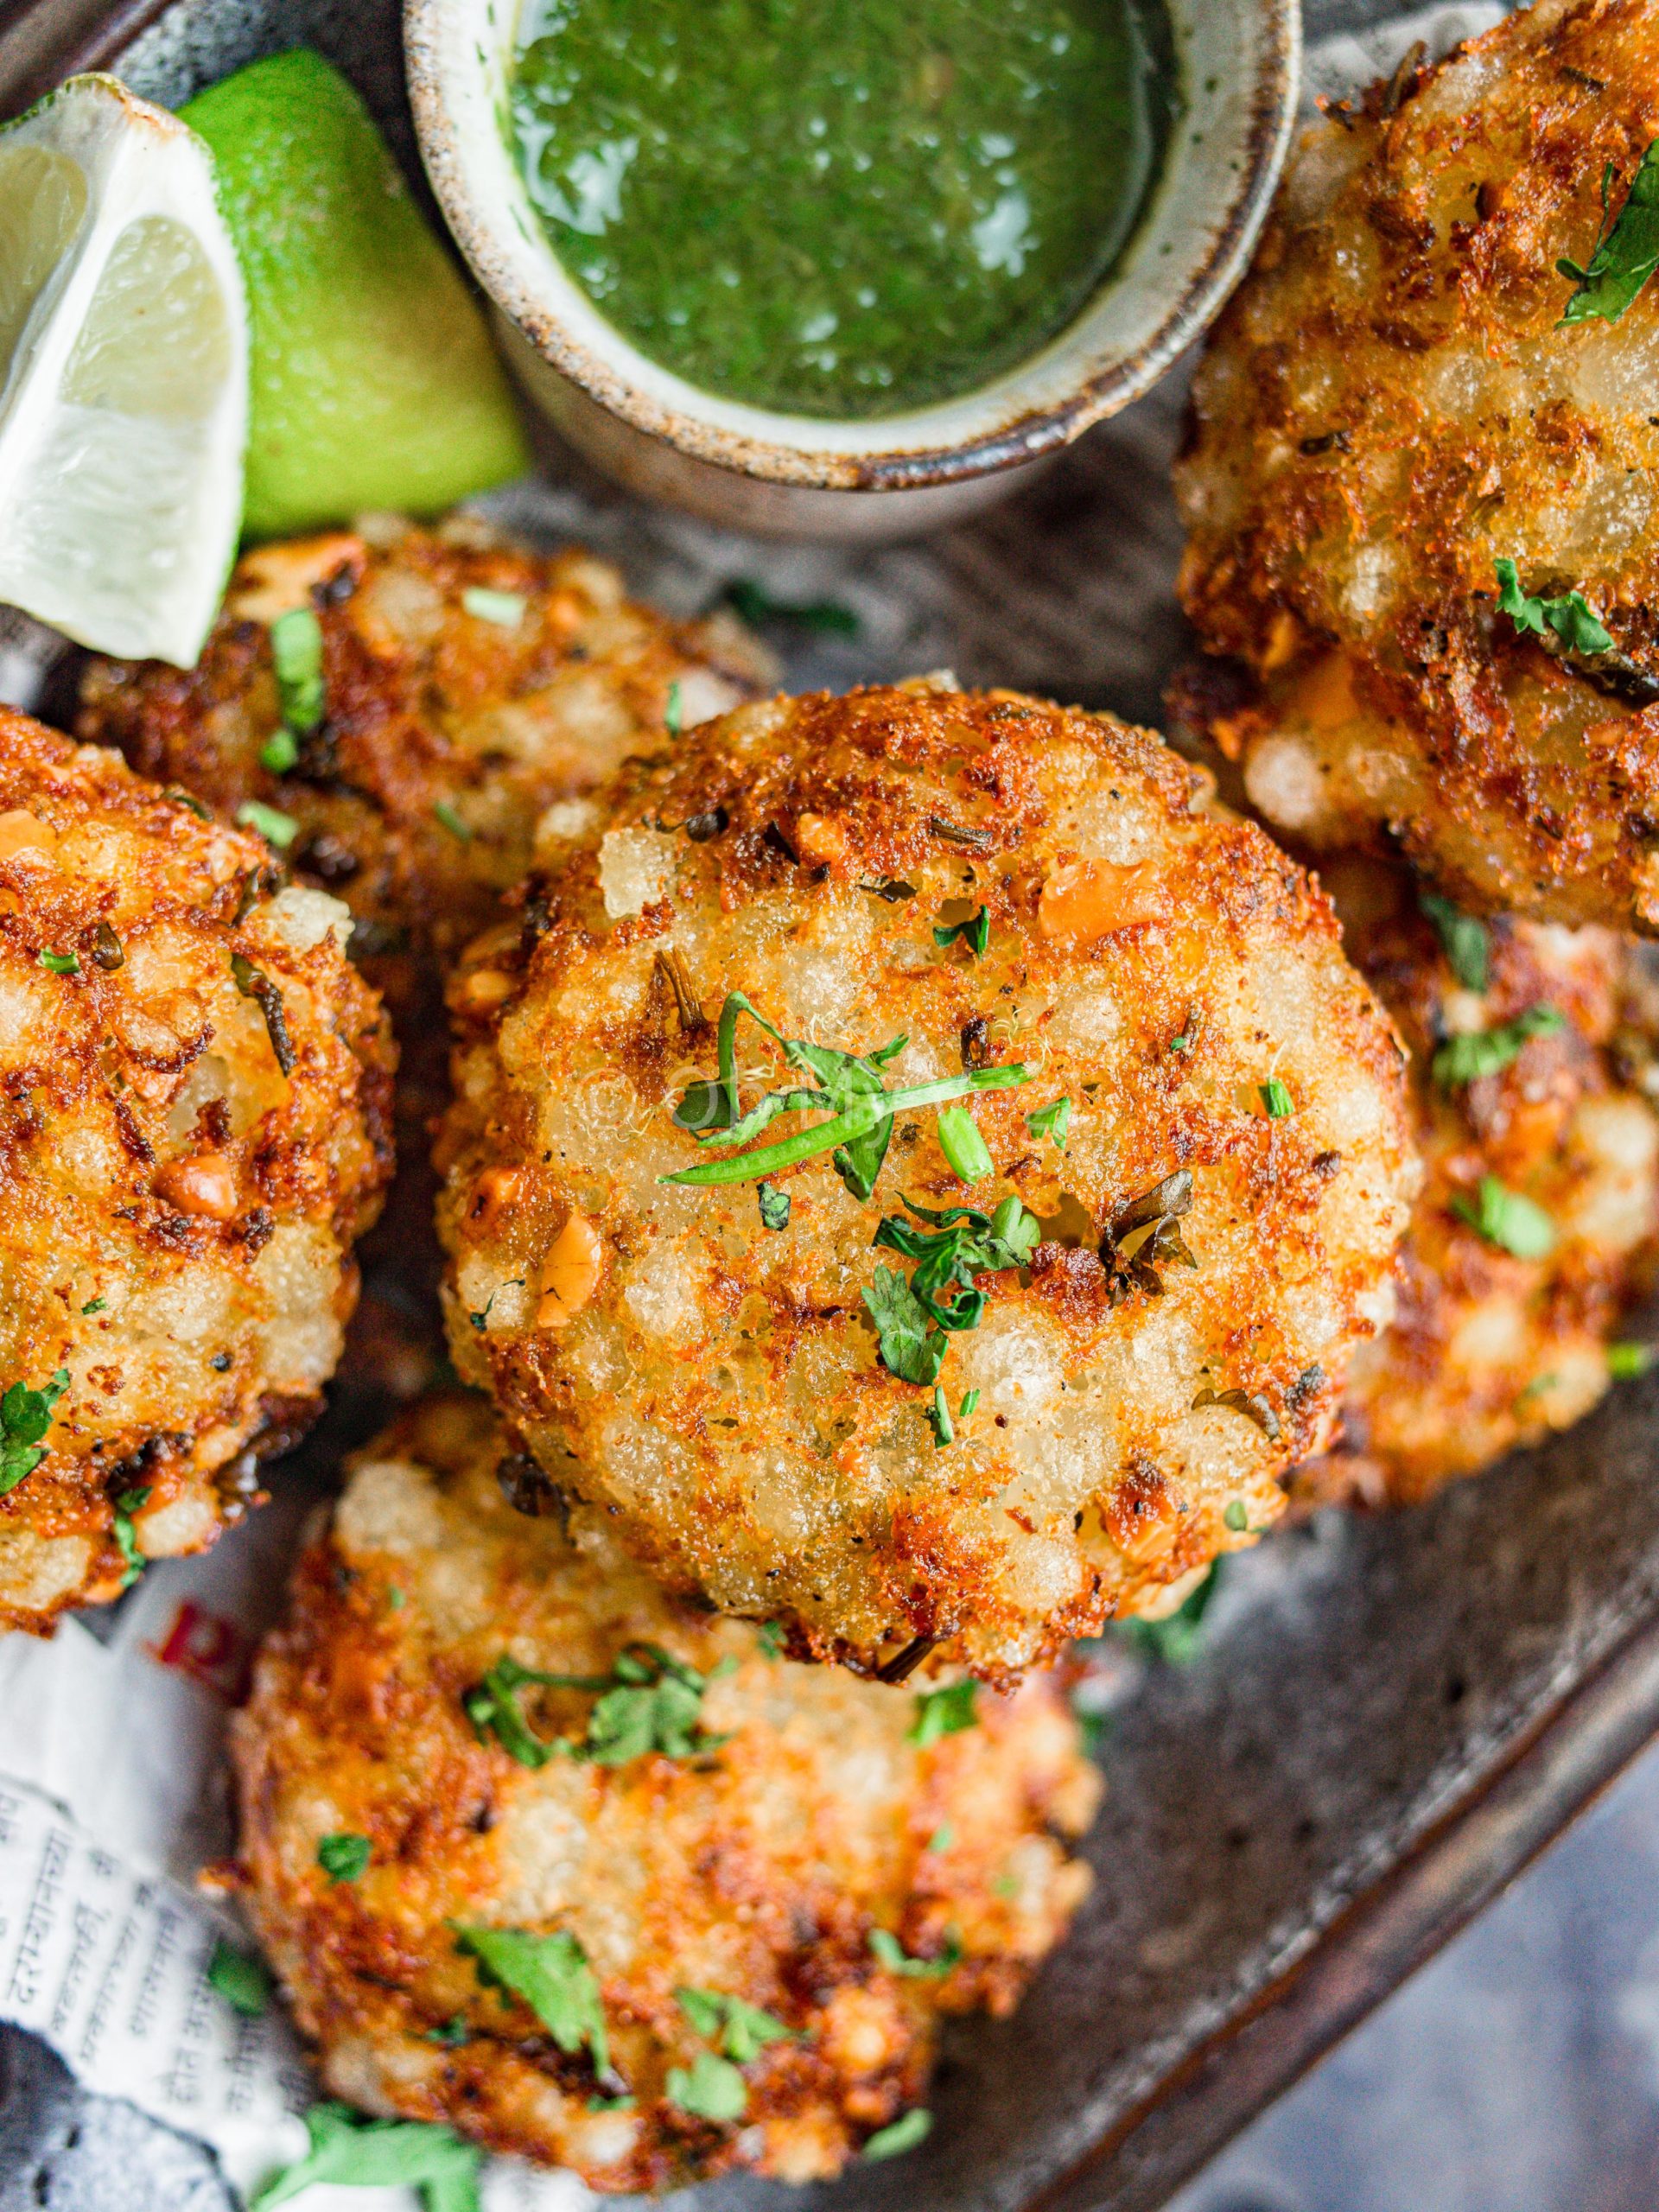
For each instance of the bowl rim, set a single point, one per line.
(442, 51)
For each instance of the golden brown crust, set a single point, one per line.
(179, 1207)
(1489, 1351)
(1152, 960)
(758, 1869)
(1390, 404)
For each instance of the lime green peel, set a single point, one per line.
(374, 382)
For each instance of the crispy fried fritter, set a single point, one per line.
(717, 1380)
(771, 1865)
(1490, 1349)
(194, 1091)
(468, 683)
(1389, 406)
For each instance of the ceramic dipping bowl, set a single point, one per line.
(797, 476)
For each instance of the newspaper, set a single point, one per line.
(113, 1787)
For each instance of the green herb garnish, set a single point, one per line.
(710, 2088)
(771, 1639)
(649, 1701)
(962, 1145)
(742, 2030)
(1466, 942)
(1626, 252)
(450, 2034)
(505, 609)
(1236, 1516)
(25, 1416)
(62, 963)
(344, 1858)
(944, 1713)
(942, 1838)
(673, 710)
(552, 1976)
(1277, 1101)
(296, 657)
(894, 1956)
(280, 752)
(126, 1536)
(451, 821)
(241, 1979)
(93, 1305)
(939, 1414)
(1052, 1122)
(1480, 1053)
(851, 1086)
(913, 1319)
(974, 932)
(357, 2153)
(1176, 1636)
(1626, 1362)
(755, 605)
(1570, 617)
(906, 2132)
(1503, 1217)
(274, 826)
(774, 1206)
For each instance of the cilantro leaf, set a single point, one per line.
(649, 1701)
(961, 1244)
(1627, 249)
(296, 656)
(1276, 1100)
(1052, 1122)
(753, 604)
(1571, 617)
(774, 1206)
(907, 1348)
(126, 1536)
(910, 2128)
(743, 2031)
(894, 1956)
(356, 2153)
(710, 2088)
(1466, 942)
(241, 1978)
(552, 1976)
(1480, 1053)
(945, 1713)
(344, 1858)
(1507, 1219)
(25, 1416)
(974, 932)
(280, 752)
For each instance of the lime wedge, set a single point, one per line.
(123, 375)
(375, 384)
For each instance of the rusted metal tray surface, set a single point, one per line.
(1387, 1719)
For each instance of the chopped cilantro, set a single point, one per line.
(126, 1536)
(962, 1145)
(1277, 1101)
(274, 826)
(944, 1713)
(649, 1701)
(1626, 1362)
(1235, 1516)
(742, 2030)
(62, 963)
(1503, 1217)
(280, 752)
(913, 1320)
(25, 1416)
(1175, 1637)
(755, 605)
(1189, 1036)
(1466, 942)
(673, 710)
(1484, 1052)
(939, 1414)
(1570, 617)
(452, 821)
(241, 1979)
(1626, 250)
(1052, 1122)
(906, 2133)
(93, 1305)
(852, 1087)
(974, 932)
(357, 2153)
(894, 1956)
(552, 1976)
(774, 1206)
(344, 1858)
(505, 609)
(296, 656)
(710, 2088)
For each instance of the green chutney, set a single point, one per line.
(843, 208)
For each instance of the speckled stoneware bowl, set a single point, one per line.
(793, 475)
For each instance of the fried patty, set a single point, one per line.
(794, 1849)
(194, 1097)
(1204, 1171)
(468, 683)
(1391, 404)
(1496, 1343)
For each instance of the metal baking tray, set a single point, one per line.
(1387, 1718)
